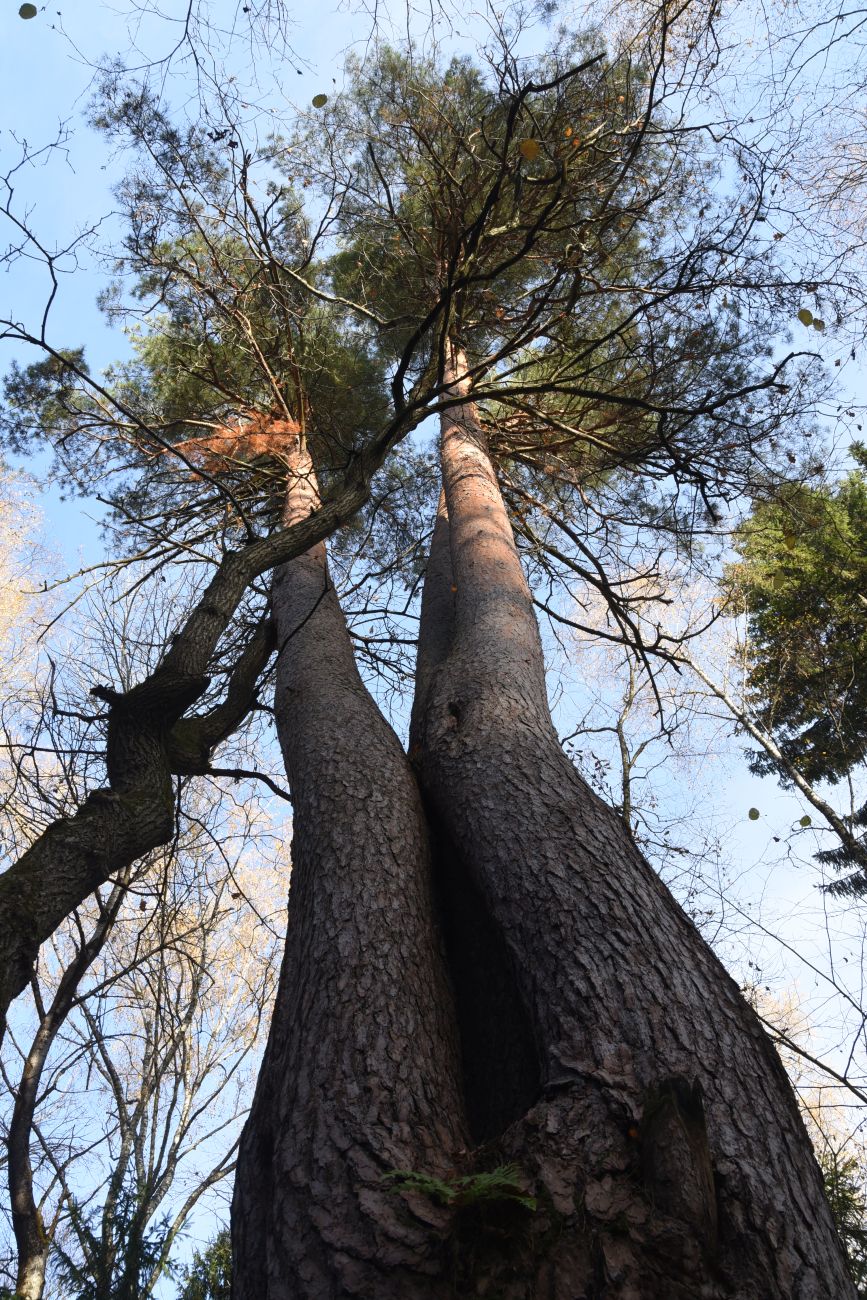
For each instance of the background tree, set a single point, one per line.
(210, 1275)
(127, 1109)
(844, 1184)
(801, 578)
(127, 1068)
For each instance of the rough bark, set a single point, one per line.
(437, 617)
(360, 1075)
(661, 1134)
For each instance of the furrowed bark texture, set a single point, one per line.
(641, 1099)
(360, 1075)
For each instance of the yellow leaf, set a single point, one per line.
(818, 324)
(805, 316)
(319, 101)
(754, 814)
(567, 132)
(530, 149)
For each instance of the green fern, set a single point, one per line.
(501, 1184)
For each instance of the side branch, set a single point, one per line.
(148, 741)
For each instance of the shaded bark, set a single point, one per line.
(360, 1076)
(663, 1141)
(437, 617)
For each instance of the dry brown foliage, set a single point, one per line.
(263, 436)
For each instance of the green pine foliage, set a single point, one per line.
(844, 1187)
(514, 213)
(802, 577)
(209, 1277)
(525, 213)
(124, 1256)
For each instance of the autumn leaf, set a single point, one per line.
(530, 149)
(319, 101)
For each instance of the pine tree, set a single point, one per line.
(502, 1060)
(802, 577)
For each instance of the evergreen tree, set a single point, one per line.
(844, 1185)
(502, 1061)
(802, 577)
(209, 1277)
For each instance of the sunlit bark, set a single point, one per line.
(659, 1128)
(361, 1073)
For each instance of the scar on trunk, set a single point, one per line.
(675, 1157)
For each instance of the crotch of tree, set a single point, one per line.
(262, 438)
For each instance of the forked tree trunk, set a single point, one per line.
(361, 1074)
(607, 1053)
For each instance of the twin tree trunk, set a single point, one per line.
(489, 974)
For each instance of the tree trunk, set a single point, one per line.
(32, 1238)
(607, 1053)
(361, 1074)
(149, 739)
